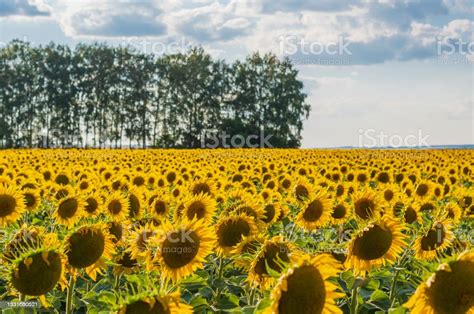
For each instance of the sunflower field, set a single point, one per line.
(237, 231)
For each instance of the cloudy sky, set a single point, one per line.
(403, 68)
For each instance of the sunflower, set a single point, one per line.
(366, 204)
(230, 231)
(143, 303)
(69, 210)
(452, 211)
(271, 212)
(340, 212)
(273, 255)
(434, 240)
(32, 199)
(37, 267)
(160, 207)
(89, 247)
(125, 264)
(411, 213)
(117, 206)
(202, 186)
(138, 240)
(449, 290)
(183, 248)
(135, 202)
(12, 204)
(302, 190)
(424, 189)
(315, 212)
(379, 243)
(93, 204)
(24, 239)
(201, 206)
(305, 287)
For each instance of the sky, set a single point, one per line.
(377, 73)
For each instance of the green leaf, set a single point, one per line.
(378, 295)
(398, 310)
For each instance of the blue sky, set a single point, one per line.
(392, 66)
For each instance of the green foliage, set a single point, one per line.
(101, 96)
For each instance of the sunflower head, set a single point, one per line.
(449, 290)
(230, 230)
(37, 273)
(379, 243)
(12, 204)
(314, 212)
(182, 248)
(305, 287)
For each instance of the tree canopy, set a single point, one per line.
(96, 95)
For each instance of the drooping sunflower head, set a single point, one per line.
(449, 290)
(366, 204)
(231, 229)
(12, 204)
(379, 243)
(273, 255)
(153, 302)
(305, 287)
(25, 239)
(434, 240)
(38, 272)
(182, 248)
(69, 210)
(89, 247)
(315, 211)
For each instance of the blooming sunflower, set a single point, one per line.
(70, 210)
(271, 212)
(379, 243)
(449, 290)
(434, 240)
(340, 212)
(93, 204)
(182, 248)
(200, 206)
(202, 186)
(12, 204)
(366, 204)
(231, 229)
(117, 206)
(305, 287)
(315, 211)
(138, 239)
(89, 247)
(32, 199)
(302, 189)
(424, 189)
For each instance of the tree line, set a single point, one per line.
(95, 95)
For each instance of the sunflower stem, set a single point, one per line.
(354, 301)
(70, 290)
(220, 272)
(393, 286)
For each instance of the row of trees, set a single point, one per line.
(101, 96)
